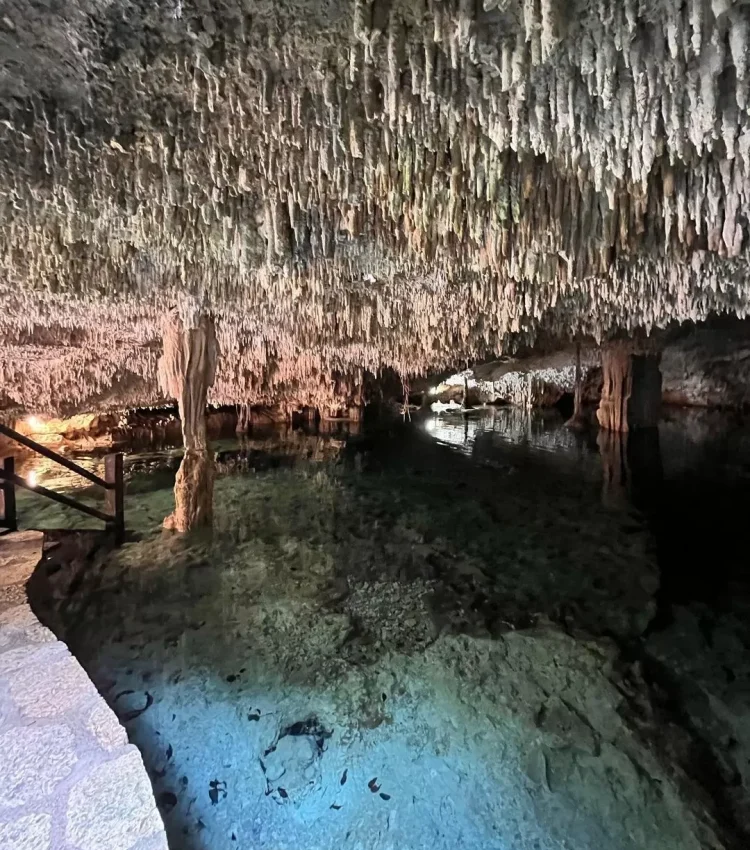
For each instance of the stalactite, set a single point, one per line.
(538, 170)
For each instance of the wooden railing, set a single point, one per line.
(113, 484)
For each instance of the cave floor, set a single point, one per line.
(466, 631)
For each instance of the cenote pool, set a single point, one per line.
(467, 631)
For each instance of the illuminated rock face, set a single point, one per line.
(186, 371)
(354, 185)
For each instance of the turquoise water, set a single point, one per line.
(411, 637)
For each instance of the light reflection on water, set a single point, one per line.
(510, 425)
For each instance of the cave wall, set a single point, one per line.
(112, 369)
(709, 367)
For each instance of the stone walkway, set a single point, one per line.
(69, 779)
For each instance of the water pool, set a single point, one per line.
(462, 631)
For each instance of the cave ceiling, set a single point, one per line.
(354, 185)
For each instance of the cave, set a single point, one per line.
(411, 339)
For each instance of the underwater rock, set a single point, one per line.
(292, 767)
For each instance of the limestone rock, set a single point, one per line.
(35, 759)
(27, 833)
(354, 195)
(101, 815)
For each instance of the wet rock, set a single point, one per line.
(562, 727)
(535, 767)
(166, 801)
(293, 766)
(217, 790)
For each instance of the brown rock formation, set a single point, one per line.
(193, 493)
(631, 392)
(612, 412)
(186, 371)
(243, 419)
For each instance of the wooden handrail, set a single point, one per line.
(112, 483)
(54, 456)
(56, 497)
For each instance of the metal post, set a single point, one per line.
(8, 495)
(115, 495)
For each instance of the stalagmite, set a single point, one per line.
(186, 371)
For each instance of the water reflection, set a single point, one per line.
(510, 425)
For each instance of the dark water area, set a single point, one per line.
(695, 495)
(478, 630)
(689, 480)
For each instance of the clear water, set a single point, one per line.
(387, 640)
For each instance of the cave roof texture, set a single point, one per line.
(359, 184)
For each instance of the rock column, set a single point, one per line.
(631, 393)
(186, 371)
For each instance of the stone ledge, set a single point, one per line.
(69, 779)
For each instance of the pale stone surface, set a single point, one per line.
(65, 761)
(23, 656)
(4, 709)
(21, 619)
(113, 806)
(155, 842)
(34, 760)
(105, 727)
(12, 595)
(27, 833)
(59, 690)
